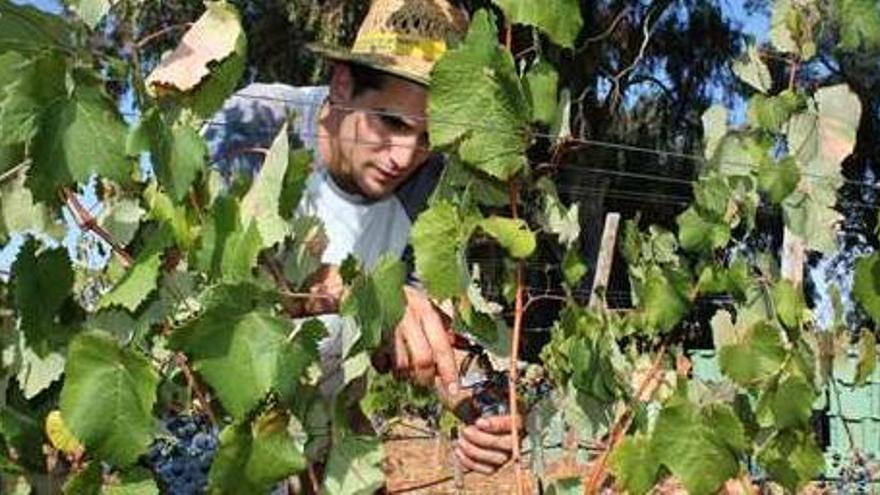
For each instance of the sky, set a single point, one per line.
(756, 25)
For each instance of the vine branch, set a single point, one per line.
(86, 221)
(14, 171)
(149, 38)
(599, 472)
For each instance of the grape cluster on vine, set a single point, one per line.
(182, 459)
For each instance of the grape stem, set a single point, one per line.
(193, 384)
(599, 472)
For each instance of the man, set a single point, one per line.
(372, 173)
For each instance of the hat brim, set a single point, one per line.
(382, 63)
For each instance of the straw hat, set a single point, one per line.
(403, 37)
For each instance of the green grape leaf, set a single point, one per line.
(91, 11)
(79, 136)
(770, 113)
(791, 28)
(664, 299)
(753, 71)
(714, 129)
(242, 351)
(25, 28)
(162, 209)
(253, 457)
(298, 169)
(791, 458)
(556, 218)
(19, 212)
(122, 219)
(542, 88)
(241, 254)
(713, 196)
(31, 86)
(726, 425)
(42, 286)
(140, 280)
(23, 431)
(11, 155)
(780, 179)
(87, 481)
(789, 303)
(756, 359)
(566, 486)
(355, 467)
(108, 396)
(792, 402)
(477, 84)
(210, 40)
(811, 216)
(635, 465)
(780, 34)
(178, 152)
(261, 204)
(822, 138)
(438, 238)
(301, 258)
(36, 373)
(376, 301)
(209, 96)
(137, 481)
(859, 24)
(696, 233)
(228, 251)
(867, 357)
(692, 449)
(562, 23)
(513, 234)
(573, 268)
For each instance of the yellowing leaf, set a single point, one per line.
(213, 38)
(60, 436)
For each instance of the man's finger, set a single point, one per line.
(482, 439)
(499, 424)
(401, 357)
(471, 464)
(438, 339)
(486, 457)
(421, 359)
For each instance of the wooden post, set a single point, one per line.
(606, 257)
(793, 253)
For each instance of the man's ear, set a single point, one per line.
(341, 84)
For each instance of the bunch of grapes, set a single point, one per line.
(491, 393)
(854, 477)
(181, 460)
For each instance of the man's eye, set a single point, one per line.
(394, 123)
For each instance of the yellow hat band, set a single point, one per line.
(395, 44)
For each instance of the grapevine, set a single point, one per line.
(173, 352)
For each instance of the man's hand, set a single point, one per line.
(486, 445)
(422, 344)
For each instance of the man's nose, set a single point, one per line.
(403, 152)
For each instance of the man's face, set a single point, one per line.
(384, 139)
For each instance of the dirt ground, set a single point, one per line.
(419, 464)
